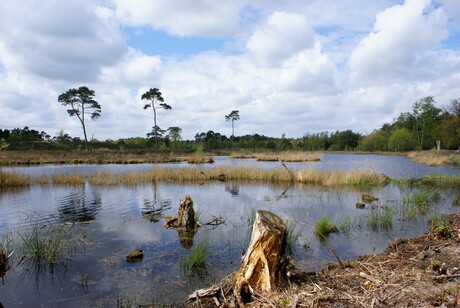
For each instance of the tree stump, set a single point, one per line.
(185, 216)
(261, 267)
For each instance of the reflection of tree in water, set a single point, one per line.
(153, 209)
(80, 205)
(232, 188)
(186, 237)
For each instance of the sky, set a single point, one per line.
(289, 67)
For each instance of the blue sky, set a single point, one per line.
(292, 67)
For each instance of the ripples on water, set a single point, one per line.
(115, 220)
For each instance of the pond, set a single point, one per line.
(108, 222)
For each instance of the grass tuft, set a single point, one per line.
(196, 262)
(324, 227)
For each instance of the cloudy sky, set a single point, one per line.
(289, 66)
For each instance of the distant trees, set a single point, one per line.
(81, 102)
(154, 95)
(401, 139)
(175, 137)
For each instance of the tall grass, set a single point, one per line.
(432, 158)
(275, 175)
(51, 243)
(68, 179)
(196, 261)
(292, 235)
(418, 203)
(441, 180)
(14, 179)
(290, 157)
(381, 218)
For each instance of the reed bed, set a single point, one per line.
(341, 178)
(200, 159)
(441, 180)
(14, 179)
(82, 157)
(68, 179)
(184, 175)
(290, 157)
(432, 158)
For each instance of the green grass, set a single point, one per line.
(292, 235)
(345, 225)
(441, 180)
(381, 218)
(195, 263)
(324, 227)
(418, 203)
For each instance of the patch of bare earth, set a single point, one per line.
(417, 272)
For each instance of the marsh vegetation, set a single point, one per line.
(94, 216)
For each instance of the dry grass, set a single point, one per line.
(339, 178)
(432, 158)
(186, 175)
(68, 179)
(14, 179)
(200, 159)
(290, 156)
(82, 157)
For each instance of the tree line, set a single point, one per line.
(424, 127)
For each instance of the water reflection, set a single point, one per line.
(232, 188)
(186, 237)
(80, 205)
(153, 209)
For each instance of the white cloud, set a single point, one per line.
(308, 71)
(181, 17)
(57, 40)
(402, 35)
(284, 35)
(289, 74)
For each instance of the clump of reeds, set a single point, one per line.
(197, 260)
(200, 159)
(381, 218)
(14, 179)
(430, 158)
(49, 244)
(242, 155)
(68, 179)
(418, 202)
(441, 180)
(339, 178)
(290, 157)
(324, 227)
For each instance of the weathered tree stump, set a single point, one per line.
(261, 267)
(185, 216)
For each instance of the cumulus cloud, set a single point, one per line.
(288, 72)
(181, 17)
(402, 35)
(309, 71)
(283, 35)
(64, 40)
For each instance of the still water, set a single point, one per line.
(111, 221)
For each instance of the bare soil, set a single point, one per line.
(417, 272)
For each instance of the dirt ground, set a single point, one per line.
(417, 272)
